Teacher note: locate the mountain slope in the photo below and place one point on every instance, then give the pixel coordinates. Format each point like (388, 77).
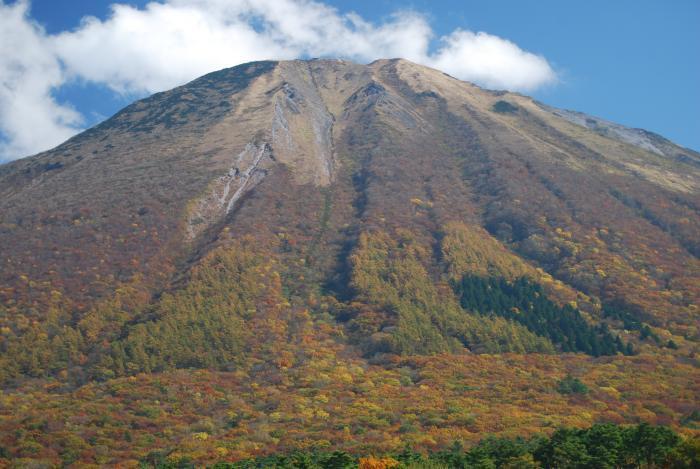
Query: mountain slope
(279, 219)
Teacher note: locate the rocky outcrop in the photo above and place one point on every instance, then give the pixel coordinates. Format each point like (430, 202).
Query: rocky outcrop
(247, 170)
(302, 126)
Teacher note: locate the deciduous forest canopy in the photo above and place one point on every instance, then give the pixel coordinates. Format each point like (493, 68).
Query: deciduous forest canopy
(326, 264)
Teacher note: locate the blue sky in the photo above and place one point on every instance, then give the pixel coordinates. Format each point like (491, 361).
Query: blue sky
(631, 62)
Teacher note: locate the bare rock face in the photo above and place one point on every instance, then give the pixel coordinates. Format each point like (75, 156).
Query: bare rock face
(302, 128)
(247, 170)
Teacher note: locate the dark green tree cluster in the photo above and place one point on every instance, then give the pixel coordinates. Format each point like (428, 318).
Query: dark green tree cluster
(598, 447)
(608, 446)
(525, 302)
(571, 385)
(504, 107)
(630, 321)
(601, 446)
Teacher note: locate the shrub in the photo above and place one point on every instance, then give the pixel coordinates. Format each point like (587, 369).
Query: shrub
(504, 107)
(571, 385)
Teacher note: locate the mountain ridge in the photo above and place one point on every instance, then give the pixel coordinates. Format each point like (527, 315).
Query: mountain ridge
(276, 221)
(305, 147)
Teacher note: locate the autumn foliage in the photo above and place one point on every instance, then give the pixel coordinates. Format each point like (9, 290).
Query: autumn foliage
(461, 274)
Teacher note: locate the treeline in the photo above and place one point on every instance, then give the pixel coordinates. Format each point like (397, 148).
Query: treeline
(598, 447)
(525, 302)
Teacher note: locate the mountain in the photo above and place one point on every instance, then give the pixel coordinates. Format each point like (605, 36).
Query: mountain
(286, 254)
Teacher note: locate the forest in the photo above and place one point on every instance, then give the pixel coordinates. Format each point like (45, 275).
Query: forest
(251, 357)
(525, 302)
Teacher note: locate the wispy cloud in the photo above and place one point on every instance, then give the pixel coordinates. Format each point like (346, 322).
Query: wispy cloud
(169, 43)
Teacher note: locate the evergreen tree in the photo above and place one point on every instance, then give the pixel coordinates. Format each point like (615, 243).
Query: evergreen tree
(525, 302)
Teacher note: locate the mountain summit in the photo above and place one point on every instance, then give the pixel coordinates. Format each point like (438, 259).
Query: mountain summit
(374, 233)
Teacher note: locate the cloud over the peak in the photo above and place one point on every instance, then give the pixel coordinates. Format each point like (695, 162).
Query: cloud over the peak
(491, 61)
(167, 43)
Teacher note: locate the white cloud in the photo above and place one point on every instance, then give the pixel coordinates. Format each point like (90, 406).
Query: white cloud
(491, 61)
(30, 119)
(160, 47)
(171, 42)
(164, 45)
